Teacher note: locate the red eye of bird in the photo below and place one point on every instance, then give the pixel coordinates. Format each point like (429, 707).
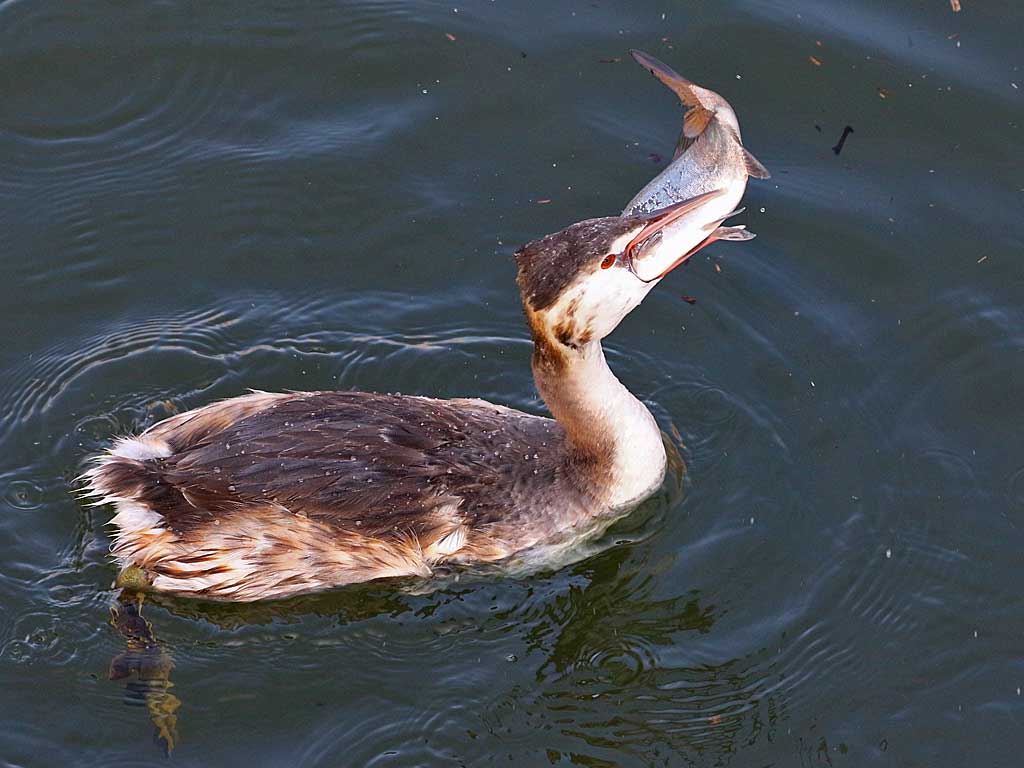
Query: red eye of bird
(608, 261)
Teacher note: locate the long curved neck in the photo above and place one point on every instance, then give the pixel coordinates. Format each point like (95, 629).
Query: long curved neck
(614, 447)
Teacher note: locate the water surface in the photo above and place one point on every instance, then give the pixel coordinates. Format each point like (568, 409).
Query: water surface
(200, 198)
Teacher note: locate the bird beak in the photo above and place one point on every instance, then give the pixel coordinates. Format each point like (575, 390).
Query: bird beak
(656, 221)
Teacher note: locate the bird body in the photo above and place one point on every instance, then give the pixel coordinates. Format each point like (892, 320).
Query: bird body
(279, 494)
(269, 495)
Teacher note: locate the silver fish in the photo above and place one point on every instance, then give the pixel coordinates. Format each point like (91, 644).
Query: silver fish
(710, 163)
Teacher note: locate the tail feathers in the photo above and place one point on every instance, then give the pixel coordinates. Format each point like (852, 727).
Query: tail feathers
(122, 473)
(115, 478)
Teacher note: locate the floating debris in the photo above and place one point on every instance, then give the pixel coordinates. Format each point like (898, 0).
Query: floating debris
(545, 201)
(955, 5)
(613, 60)
(450, 36)
(842, 140)
(689, 300)
(655, 157)
(814, 60)
(883, 93)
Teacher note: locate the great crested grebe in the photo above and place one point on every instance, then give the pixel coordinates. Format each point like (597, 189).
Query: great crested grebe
(271, 495)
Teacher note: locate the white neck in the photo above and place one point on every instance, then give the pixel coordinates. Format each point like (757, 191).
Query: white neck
(614, 443)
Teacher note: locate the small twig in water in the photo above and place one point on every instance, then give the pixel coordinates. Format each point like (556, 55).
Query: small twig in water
(842, 140)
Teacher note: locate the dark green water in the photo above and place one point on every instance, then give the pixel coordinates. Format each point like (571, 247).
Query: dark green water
(197, 198)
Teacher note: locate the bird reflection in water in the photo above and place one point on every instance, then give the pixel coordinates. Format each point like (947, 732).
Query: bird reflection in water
(145, 666)
(146, 663)
(646, 675)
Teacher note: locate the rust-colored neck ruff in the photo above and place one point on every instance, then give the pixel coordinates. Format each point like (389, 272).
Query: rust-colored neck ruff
(614, 446)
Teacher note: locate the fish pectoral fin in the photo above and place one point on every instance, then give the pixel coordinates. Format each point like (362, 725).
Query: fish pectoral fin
(657, 220)
(684, 143)
(738, 233)
(754, 167)
(715, 224)
(696, 121)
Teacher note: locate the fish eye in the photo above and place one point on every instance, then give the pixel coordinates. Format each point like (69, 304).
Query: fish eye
(609, 260)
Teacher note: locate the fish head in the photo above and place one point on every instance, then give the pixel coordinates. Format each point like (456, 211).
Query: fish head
(653, 254)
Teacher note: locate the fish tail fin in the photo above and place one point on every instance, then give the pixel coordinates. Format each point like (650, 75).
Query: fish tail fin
(702, 102)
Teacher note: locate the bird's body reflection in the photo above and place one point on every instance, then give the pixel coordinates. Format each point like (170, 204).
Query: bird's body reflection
(145, 666)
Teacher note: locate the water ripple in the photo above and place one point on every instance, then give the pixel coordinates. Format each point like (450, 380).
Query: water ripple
(212, 349)
(843, 391)
(23, 494)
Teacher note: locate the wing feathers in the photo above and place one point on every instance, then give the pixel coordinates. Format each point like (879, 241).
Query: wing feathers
(337, 457)
(282, 494)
